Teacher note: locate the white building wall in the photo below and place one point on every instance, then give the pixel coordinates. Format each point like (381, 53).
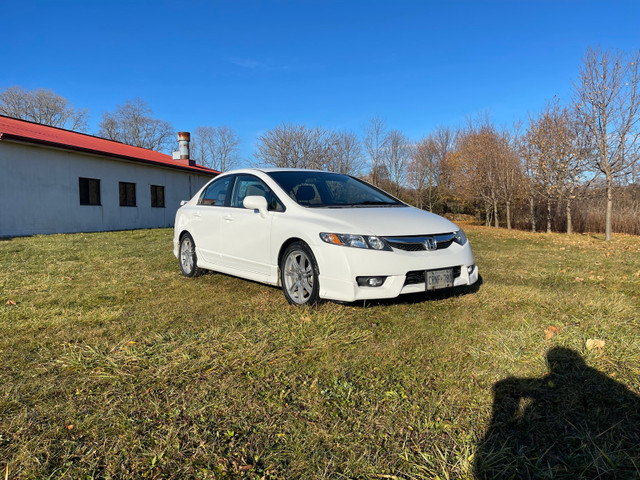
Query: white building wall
(39, 191)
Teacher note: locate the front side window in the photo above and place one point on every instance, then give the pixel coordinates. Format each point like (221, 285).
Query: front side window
(127, 194)
(216, 192)
(249, 185)
(157, 196)
(89, 189)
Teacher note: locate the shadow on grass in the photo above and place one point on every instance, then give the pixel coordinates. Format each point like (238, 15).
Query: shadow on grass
(575, 422)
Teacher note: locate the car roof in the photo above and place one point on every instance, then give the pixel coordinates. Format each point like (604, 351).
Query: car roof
(276, 169)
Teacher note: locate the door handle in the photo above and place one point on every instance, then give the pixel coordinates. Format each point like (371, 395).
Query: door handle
(228, 218)
(197, 214)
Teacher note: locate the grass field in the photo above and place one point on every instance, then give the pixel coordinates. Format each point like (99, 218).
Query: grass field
(115, 366)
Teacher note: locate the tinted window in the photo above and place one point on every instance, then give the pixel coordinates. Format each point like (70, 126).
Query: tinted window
(216, 192)
(323, 189)
(249, 185)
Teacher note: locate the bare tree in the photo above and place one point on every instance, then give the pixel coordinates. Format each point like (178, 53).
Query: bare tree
(573, 161)
(478, 161)
(216, 147)
(607, 98)
(423, 172)
(396, 157)
(509, 172)
(347, 154)
(556, 157)
(296, 146)
(131, 124)
(529, 162)
(445, 139)
(543, 145)
(375, 143)
(42, 106)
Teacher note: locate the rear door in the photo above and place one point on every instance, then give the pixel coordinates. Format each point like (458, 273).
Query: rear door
(206, 219)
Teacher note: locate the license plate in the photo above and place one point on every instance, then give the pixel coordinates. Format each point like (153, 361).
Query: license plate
(435, 279)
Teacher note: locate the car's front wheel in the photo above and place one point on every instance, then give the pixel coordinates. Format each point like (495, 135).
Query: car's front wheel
(187, 257)
(299, 275)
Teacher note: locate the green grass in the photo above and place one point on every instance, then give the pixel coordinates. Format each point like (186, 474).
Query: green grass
(112, 365)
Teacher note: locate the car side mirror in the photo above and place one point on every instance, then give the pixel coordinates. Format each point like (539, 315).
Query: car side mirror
(256, 203)
(183, 202)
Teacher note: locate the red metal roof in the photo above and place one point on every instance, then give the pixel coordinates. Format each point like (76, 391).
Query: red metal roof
(14, 129)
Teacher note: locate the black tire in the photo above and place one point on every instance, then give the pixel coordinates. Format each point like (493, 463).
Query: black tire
(187, 257)
(299, 275)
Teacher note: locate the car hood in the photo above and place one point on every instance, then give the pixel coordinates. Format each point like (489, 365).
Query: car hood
(384, 221)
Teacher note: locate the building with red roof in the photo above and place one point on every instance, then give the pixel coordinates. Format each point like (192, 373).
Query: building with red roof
(58, 181)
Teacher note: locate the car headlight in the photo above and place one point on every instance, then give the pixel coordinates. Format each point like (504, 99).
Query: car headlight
(460, 237)
(358, 241)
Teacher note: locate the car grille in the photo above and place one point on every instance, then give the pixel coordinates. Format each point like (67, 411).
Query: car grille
(417, 276)
(418, 243)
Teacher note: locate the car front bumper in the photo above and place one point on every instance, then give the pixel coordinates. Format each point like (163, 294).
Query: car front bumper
(404, 271)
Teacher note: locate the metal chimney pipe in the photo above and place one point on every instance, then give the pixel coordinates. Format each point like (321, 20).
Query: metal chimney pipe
(183, 145)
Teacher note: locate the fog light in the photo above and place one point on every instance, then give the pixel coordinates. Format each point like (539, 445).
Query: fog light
(370, 281)
(471, 268)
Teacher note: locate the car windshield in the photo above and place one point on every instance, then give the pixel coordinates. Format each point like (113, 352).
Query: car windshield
(332, 190)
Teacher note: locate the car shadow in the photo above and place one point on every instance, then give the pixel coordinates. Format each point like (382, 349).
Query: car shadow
(415, 298)
(575, 422)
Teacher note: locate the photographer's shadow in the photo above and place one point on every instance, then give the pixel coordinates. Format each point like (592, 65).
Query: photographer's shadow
(573, 423)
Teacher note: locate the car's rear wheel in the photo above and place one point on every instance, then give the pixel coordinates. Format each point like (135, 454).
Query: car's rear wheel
(299, 275)
(187, 257)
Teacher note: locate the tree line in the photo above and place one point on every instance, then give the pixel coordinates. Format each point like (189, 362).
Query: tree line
(560, 170)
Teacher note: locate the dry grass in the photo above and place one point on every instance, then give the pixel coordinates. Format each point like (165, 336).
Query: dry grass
(115, 366)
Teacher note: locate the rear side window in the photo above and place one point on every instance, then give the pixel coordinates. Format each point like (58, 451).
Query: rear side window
(216, 192)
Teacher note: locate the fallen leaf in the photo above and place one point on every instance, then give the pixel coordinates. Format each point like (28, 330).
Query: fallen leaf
(10, 302)
(69, 427)
(305, 319)
(594, 344)
(579, 279)
(551, 331)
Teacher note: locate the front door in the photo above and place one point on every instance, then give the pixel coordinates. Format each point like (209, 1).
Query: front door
(246, 235)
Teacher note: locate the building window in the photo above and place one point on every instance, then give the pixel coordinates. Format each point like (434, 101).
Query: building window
(157, 196)
(89, 189)
(127, 194)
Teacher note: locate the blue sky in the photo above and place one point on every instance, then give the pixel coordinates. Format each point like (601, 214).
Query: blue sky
(254, 64)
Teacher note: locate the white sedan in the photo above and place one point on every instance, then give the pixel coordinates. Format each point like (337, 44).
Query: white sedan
(318, 235)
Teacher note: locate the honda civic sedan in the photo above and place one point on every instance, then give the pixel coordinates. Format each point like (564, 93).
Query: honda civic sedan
(318, 235)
